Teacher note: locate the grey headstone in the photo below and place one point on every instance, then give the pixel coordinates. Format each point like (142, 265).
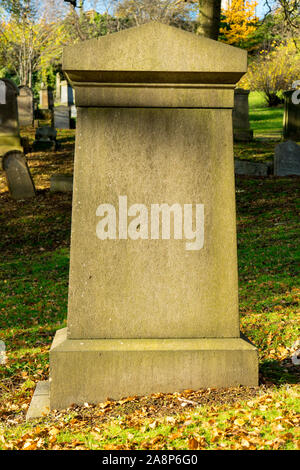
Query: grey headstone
(243, 167)
(18, 175)
(62, 117)
(240, 116)
(61, 183)
(25, 106)
(287, 159)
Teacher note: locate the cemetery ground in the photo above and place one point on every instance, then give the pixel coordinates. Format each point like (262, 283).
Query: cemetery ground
(34, 259)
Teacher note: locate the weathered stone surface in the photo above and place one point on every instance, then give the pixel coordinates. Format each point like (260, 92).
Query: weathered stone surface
(62, 117)
(243, 167)
(9, 121)
(291, 117)
(91, 370)
(240, 116)
(18, 175)
(287, 159)
(61, 183)
(25, 106)
(138, 55)
(40, 403)
(149, 314)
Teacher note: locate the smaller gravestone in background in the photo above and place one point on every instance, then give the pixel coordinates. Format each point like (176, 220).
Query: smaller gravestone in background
(46, 98)
(66, 94)
(240, 116)
(291, 117)
(18, 175)
(25, 106)
(287, 159)
(62, 117)
(45, 138)
(57, 88)
(243, 167)
(61, 183)
(73, 111)
(9, 121)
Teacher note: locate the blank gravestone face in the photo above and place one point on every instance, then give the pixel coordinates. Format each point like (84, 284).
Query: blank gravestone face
(18, 176)
(62, 117)
(153, 302)
(287, 159)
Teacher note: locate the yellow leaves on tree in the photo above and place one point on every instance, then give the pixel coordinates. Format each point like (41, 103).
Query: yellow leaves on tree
(273, 71)
(241, 21)
(27, 46)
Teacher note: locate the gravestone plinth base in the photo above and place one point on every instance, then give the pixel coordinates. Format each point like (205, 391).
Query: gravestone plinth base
(91, 370)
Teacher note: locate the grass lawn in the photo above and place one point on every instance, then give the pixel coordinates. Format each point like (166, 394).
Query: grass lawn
(34, 261)
(265, 122)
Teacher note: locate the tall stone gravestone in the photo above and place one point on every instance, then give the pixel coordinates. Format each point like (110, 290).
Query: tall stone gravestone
(46, 98)
(291, 117)
(153, 293)
(18, 175)
(9, 121)
(57, 88)
(66, 94)
(240, 116)
(25, 106)
(62, 117)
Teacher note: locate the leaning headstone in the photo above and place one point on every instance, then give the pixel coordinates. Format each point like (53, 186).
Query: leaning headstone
(66, 94)
(153, 293)
(240, 116)
(291, 117)
(61, 183)
(287, 159)
(25, 106)
(18, 175)
(9, 121)
(62, 117)
(45, 138)
(243, 167)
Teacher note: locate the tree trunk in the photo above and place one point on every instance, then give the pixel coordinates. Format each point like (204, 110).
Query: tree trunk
(209, 18)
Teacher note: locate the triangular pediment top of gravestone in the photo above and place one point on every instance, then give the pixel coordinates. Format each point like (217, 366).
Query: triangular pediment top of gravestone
(151, 52)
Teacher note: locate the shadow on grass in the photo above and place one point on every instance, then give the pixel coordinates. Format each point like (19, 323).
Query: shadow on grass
(279, 372)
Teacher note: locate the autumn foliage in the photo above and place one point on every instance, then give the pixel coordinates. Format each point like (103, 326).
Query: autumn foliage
(240, 21)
